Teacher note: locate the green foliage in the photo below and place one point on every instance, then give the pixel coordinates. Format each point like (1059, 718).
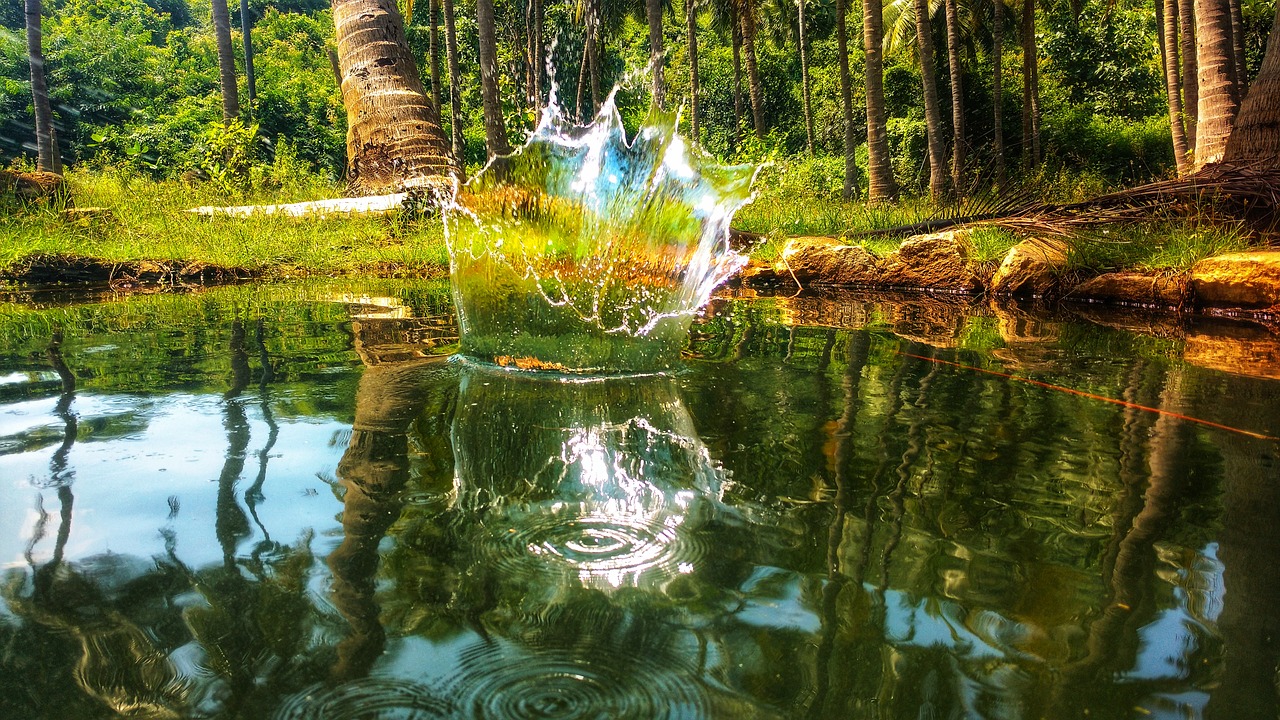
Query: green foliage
(229, 152)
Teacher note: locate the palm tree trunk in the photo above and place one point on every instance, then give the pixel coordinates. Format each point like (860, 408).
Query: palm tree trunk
(582, 77)
(747, 17)
(393, 133)
(1190, 89)
(455, 88)
(653, 13)
(1256, 137)
(1173, 84)
(880, 183)
(539, 60)
(932, 108)
(593, 65)
(1030, 87)
(226, 61)
(691, 18)
(46, 146)
(1215, 60)
(495, 131)
(957, 96)
(246, 27)
(1237, 48)
(850, 190)
(433, 52)
(737, 78)
(997, 89)
(804, 79)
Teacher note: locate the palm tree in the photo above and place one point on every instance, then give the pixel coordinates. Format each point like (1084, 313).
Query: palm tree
(691, 19)
(957, 95)
(433, 53)
(932, 108)
(495, 131)
(455, 87)
(1030, 86)
(747, 20)
(1256, 136)
(393, 133)
(1168, 17)
(997, 88)
(1190, 74)
(226, 61)
(653, 13)
(850, 189)
(804, 78)
(246, 27)
(880, 182)
(1215, 62)
(48, 158)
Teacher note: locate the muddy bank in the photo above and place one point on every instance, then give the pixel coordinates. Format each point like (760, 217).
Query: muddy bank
(1236, 285)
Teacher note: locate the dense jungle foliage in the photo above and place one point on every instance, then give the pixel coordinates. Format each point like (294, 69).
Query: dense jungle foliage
(134, 84)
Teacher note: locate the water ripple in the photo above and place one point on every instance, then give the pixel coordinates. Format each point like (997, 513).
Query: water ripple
(372, 698)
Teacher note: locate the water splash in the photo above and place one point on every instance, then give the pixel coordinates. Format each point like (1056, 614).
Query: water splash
(586, 252)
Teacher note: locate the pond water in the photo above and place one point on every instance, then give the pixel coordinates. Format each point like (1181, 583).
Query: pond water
(290, 502)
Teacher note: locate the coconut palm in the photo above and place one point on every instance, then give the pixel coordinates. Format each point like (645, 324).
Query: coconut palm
(393, 133)
(226, 61)
(957, 95)
(455, 86)
(246, 30)
(804, 77)
(1190, 73)
(880, 183)
(1256, 136)
(1030, 86)
(47, 157)
(747, 21)
(1168, 20)
(653, 13)
(997, 88)
(932, 109)
(1216, 112)
(691, 19)
(495, 131)
(850, 189)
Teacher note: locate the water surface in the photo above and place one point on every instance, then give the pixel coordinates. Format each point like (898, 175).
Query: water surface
(288, 501)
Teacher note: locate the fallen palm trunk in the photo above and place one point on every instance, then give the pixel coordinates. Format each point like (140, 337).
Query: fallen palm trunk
(357, 206)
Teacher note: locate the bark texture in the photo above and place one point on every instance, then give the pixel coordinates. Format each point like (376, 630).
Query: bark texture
(246, 30)
(226, 61)
(653, 13)
(846, 102)
(691, 19)
(394, 138)
(932, 107)
(957, 95)
(880, 183)
(1173, 82)
(1215, 61)
(1190, 88)
(455, 87)
(495, 130)
(1256, 136)
(1030, 86)
(997, 89)
(747, 18)
(47, 156)
(804, 78)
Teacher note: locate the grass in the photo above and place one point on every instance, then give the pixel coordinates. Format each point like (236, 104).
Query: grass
(146, 220)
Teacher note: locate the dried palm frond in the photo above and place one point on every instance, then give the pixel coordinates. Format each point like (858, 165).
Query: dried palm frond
(1226, 191)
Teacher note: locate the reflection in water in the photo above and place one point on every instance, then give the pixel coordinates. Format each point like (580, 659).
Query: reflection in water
(604, 480)
(810, 521)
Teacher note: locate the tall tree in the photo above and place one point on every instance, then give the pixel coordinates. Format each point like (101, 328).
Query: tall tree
(804, 78)
(1240, 67)
(850, 189)
(747, 19)
(393, 133)
(1190, 86)
(880, 182)
(1030, 86)
(495, 131)
(1215, 62)
(653, 13)
(736, 40)
(226, 61)
(1173, 83)
(246, 31)
(691, 19)
(1256, 135)
(932, 106)
(433, 54)
(455, 87)
(47, 157)
(957, 95)
(997, 88)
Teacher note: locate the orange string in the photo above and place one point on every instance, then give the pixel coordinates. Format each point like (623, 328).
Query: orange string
(1091, 396)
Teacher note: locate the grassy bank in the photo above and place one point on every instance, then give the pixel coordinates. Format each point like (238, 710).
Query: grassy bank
(139, 220)
(143, 220)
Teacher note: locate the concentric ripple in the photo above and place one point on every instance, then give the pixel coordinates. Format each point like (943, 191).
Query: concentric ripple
(372, 698)
(499, 680)
(598, 547)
